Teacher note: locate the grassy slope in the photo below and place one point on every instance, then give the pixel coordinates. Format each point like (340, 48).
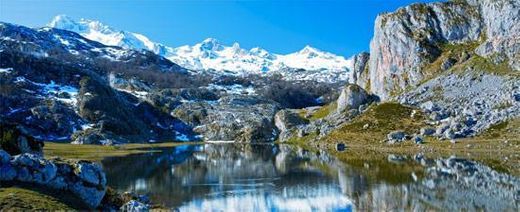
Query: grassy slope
(21, 199)
(366, 146)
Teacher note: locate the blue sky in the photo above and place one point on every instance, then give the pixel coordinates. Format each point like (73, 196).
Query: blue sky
(343, 27)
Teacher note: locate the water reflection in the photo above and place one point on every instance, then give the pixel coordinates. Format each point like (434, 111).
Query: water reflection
(244, 177)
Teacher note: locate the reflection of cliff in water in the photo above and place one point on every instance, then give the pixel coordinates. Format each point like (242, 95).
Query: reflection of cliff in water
(246, 177)
(449, 184)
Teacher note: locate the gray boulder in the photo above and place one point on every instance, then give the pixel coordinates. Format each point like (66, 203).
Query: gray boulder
(396, 136)
(418, 139)
(84, 179)
(427, 131)
(90, 173)
(351, 97)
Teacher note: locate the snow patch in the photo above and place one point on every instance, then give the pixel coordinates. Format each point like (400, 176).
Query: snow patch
(64, 93)
(6, 70)
(181, 137)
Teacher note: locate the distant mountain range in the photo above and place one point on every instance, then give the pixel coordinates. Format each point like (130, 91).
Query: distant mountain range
(211, 55)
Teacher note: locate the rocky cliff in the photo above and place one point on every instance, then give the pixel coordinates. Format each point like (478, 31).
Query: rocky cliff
(359, 73)
(408, 39)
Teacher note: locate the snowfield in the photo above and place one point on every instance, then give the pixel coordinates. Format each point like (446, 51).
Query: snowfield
(214, 57)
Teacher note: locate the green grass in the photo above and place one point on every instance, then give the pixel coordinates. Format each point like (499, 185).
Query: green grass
(455, 51)
(21, 199)
(302, 141)
(324, 111)
(381, 120)
(485, 65)
(98, 152)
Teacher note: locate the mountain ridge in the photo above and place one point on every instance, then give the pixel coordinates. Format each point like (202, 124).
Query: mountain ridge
(211, 54)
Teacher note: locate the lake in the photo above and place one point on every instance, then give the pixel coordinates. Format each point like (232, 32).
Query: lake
(269, 177)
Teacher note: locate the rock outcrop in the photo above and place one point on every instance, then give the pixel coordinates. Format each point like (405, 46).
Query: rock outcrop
(285, 120)
(359, 74)
(501, 18)
(83, 179)
(351, 97)
(235, 117)
(406, 40)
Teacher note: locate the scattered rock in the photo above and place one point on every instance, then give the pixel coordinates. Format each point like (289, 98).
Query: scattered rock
(427, 131)
(396, 136)
(418, 139)
(429, 106)
(340, 147)
(396, 158)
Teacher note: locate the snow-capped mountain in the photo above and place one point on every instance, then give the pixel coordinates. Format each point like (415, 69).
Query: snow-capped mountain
(211, 54)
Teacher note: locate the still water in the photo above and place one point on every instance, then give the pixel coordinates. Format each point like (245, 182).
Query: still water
(243, 177)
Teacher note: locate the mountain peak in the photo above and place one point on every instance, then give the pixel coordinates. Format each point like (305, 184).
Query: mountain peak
(97, 31)
(211, 40)
(309, 49)
(211, 44)
(62, 21)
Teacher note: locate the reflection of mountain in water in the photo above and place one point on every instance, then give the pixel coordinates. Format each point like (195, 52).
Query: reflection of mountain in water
(266, 177)
(233, 176)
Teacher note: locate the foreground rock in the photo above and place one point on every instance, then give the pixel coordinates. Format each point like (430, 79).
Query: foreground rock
(83, 179)
(351, 97)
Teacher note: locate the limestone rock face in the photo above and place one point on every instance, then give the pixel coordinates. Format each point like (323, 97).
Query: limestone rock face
(407, 39)
(351, 97)
(501, 19)
(359, 73)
